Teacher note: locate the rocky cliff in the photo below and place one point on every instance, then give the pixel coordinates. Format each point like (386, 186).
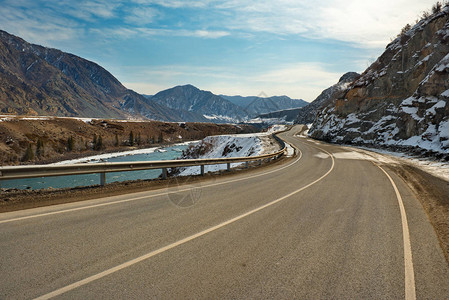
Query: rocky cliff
(307, 114)
(401, 100)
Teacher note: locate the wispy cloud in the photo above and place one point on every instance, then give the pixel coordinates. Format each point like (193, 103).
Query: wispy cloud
(141, 16)
(213, 34)
(86, 10)
(130, 32)
(39, 26)
(366, 23)
(175, 3)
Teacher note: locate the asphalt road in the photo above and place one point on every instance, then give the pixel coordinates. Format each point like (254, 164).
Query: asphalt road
(326, 224)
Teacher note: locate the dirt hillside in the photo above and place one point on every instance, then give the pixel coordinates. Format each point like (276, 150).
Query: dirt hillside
(43, 140)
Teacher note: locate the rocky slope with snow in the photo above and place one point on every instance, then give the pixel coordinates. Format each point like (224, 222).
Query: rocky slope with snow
(307, 114)
(401, 100)
(235, 145)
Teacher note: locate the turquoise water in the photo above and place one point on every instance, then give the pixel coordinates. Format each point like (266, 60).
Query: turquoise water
(94, 179)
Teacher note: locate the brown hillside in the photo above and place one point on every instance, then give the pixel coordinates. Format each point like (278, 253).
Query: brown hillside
(17, 134)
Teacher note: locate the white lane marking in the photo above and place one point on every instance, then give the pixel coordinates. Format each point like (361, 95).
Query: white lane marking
(177, 243)
(410, 290)
(353, 155)
(321, 155)
(145, 197)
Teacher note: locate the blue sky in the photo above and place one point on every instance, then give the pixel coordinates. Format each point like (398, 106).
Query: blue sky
(234, 47)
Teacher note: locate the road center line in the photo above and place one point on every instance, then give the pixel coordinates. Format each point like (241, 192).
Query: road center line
(410, 290)
(180, 242)
(144, 197)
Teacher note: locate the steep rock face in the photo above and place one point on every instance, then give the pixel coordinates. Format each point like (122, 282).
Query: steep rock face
(307, 114)
(42, 81)
(402, 99)
(202, 104)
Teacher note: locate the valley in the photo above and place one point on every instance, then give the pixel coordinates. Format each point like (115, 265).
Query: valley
(348, 200)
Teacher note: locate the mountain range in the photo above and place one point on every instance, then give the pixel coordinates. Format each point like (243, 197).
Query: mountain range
(255, 106)
(36, 80)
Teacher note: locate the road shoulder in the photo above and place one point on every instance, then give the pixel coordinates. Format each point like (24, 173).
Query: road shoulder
(432, 192)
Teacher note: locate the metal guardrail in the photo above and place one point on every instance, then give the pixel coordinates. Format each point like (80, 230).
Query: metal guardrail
(33, 171)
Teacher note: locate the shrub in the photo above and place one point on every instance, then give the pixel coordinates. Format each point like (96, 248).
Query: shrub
(39, 147)
(29, 155)
(436, 8)
(70, 144)
(131, 138)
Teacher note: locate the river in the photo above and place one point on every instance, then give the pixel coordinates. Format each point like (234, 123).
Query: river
(153, 154)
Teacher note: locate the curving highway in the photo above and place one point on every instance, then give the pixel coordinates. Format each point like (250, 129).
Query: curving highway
(331, 222)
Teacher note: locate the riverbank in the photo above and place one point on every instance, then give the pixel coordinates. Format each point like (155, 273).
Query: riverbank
(42, 140)
(226, 146)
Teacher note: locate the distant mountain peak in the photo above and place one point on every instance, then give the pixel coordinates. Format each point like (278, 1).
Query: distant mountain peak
(262, 95)
(187, 86)
(205, 104)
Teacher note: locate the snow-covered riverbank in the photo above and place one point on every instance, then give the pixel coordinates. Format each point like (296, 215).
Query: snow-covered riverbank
(105, 156)
(219, 146)
(236, 145)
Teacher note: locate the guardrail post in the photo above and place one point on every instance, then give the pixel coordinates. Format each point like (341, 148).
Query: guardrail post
(164, 173)
(202, 170)
(228, 167)
(246, 165)
(102, 179)
(260, 162)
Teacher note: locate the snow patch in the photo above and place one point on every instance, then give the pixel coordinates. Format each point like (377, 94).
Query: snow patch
(102, 157)
(445, 93)
(220, 117)
(236, 145)
(223, 146)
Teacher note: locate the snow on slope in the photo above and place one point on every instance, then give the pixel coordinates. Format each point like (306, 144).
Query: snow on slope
(236, 145)
(102, 157)
(401, 102)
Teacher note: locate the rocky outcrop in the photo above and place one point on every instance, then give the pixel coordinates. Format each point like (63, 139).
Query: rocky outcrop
(401, 100)
(307, 114)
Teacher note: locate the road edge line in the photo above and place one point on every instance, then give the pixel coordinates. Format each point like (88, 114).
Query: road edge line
(410, 288)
